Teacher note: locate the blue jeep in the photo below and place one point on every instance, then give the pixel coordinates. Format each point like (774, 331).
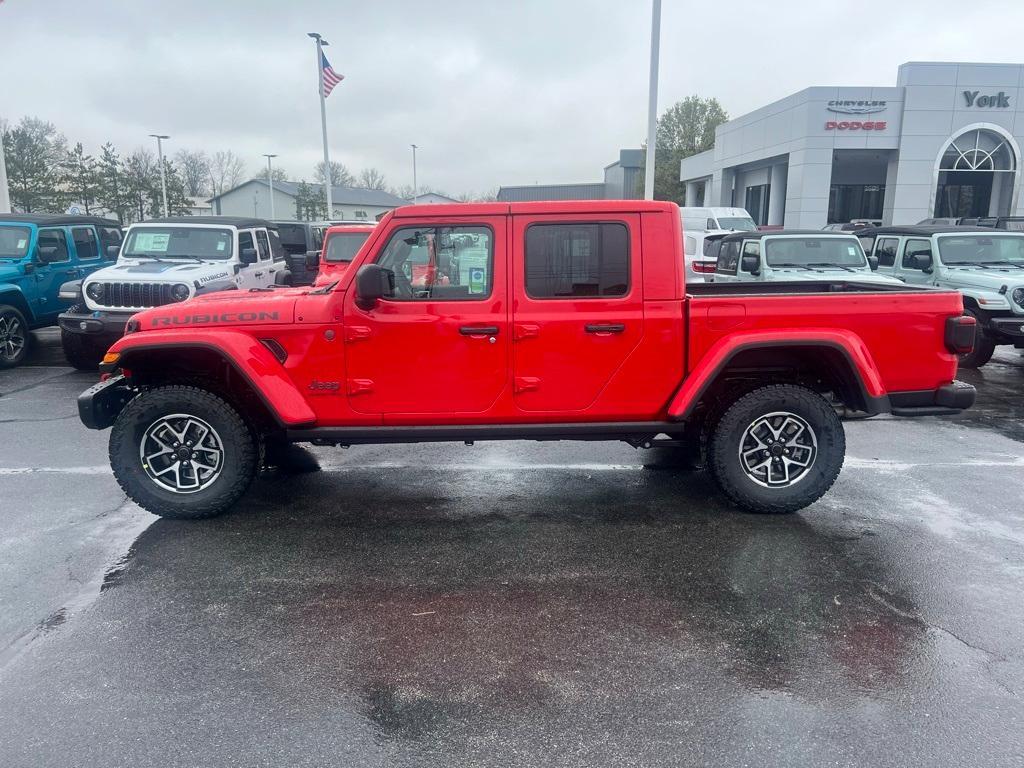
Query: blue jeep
(37, 255)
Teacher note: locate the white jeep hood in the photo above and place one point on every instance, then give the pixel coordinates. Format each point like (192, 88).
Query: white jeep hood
(200, 277)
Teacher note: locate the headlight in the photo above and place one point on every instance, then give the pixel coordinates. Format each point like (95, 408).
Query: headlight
(1018, 296)
(94, 291)
(179, 292)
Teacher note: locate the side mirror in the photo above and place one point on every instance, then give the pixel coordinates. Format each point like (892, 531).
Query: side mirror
(312, 259)
(247, 256)
(873, 263)
(113, 251)
(47, 254)
(373, 283)
(922, 261)
(750, 263)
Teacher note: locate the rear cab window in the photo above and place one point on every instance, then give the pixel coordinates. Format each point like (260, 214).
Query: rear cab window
(573, 261)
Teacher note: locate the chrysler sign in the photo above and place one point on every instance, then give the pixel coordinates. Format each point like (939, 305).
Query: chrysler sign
(855, 106)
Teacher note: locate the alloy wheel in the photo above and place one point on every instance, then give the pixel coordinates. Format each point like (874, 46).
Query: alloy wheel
(182, 453)
(12, 336)
(778, 449)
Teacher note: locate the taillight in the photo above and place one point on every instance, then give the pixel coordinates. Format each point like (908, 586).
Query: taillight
(960, 332)
(704, 267)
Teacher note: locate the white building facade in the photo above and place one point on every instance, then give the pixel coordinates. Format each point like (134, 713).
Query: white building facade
(944, 142)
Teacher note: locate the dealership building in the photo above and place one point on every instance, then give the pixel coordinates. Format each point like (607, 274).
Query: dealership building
(945, 141)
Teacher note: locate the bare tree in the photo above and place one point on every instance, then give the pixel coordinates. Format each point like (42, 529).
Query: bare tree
(226, 171)
(340, 175)
(277, 174)
(194, 169)
(371, 178)
(479, 197)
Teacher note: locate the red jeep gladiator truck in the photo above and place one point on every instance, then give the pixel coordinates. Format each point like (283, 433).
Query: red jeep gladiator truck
(534, 321)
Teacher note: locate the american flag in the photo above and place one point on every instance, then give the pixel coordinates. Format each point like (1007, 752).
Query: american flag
(330, 77)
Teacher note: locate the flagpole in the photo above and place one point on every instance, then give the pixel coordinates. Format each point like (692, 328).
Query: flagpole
(320, 43)
(652, 101)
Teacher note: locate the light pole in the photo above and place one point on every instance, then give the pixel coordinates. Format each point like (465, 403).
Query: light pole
(160, 155)
(270, 181)
(320, 43)
(415, 187)
(652, 100)
(5, 196)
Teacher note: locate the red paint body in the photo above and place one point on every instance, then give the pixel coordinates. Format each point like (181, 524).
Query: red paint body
(406, 362)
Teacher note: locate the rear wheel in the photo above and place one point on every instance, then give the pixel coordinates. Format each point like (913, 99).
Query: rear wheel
(182, 452)
(777, 449)
(984, 347)
(14, 337)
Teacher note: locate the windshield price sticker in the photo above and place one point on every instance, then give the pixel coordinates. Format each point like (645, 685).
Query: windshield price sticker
(221, 245)
(22, 243)
(152, 242)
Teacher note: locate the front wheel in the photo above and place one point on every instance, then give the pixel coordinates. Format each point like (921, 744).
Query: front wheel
(777, 449)
(182, 452)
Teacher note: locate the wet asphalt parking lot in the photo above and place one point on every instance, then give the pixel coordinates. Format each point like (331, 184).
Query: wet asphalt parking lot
(515, 604)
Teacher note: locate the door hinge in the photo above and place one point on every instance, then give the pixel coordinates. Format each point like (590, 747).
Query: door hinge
(526, 383)
(526, 331)
(356, 333)
(359, 386)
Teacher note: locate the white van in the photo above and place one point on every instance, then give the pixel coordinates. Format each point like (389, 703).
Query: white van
(708, 219)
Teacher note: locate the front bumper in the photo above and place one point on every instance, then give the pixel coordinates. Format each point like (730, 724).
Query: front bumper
(1008, 327)
(99, 405)
(95, 323)
(946, 400)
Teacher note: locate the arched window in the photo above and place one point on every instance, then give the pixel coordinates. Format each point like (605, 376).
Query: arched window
(978, 150)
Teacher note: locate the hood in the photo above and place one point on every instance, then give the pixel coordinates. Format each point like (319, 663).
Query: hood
(820, 273)
(230, 308)
(145, 270)
(986, 279)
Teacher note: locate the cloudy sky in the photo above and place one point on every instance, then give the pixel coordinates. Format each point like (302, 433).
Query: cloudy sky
(494, 92)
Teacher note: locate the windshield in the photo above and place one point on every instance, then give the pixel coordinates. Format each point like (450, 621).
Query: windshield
(739, 224)
(982, 249)
(815, 251)
(344, 247)
(177, 243)
(14, 242)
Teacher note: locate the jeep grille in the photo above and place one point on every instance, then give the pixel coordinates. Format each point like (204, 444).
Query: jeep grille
(135, 295)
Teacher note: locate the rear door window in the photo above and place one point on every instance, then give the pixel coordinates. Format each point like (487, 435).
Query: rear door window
(728, 257)
(86, 245)
(577, 260)
(886, 251)
(263, 245)
(54, 246)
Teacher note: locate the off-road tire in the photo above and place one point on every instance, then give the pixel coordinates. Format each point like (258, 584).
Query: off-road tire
(242, 454)
(8, 312)
(728, 435)
(81, 351)
(984, 347)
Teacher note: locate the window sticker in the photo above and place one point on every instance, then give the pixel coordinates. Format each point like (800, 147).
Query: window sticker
(152, 242)
(852, 250)
(222, 245)
(476, 280)
(23, 243)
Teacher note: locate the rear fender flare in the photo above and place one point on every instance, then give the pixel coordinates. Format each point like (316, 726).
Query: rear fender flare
(867, 377)
(244, 353)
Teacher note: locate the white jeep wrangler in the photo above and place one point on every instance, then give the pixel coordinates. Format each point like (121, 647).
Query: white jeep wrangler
(163, 261)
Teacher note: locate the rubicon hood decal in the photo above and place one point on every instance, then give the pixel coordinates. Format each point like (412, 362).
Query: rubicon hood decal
(163, 321)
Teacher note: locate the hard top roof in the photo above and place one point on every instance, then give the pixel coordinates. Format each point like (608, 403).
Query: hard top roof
(534, 207)
(927, 230)
(225, 221)
(57, 220)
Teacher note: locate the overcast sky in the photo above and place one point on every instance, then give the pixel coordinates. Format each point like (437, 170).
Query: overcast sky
(494, 92)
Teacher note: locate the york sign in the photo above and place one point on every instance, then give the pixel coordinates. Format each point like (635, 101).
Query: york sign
(999, 100)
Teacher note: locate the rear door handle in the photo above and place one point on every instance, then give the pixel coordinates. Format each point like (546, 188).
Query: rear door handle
(605, 327)
(479, 330)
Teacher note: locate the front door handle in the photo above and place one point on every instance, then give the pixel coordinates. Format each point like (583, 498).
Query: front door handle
(605, 327)
(478, 330)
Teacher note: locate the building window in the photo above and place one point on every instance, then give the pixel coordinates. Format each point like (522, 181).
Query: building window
(566, 261)
(847, 202)
(361, 215)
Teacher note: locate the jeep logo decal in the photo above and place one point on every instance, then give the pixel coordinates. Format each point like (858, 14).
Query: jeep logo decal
(227, 317)
(324, 386)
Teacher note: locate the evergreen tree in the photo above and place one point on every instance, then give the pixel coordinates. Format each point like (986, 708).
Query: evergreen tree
(111, 183)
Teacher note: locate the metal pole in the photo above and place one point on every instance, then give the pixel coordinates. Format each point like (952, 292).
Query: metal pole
(652, 100)
(160, 155)
(5, 196)
(415, 186)
(320, 43)
(270, 181)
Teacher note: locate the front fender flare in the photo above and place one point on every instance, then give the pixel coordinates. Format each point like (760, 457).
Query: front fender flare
(244, 353)
(717, 358)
